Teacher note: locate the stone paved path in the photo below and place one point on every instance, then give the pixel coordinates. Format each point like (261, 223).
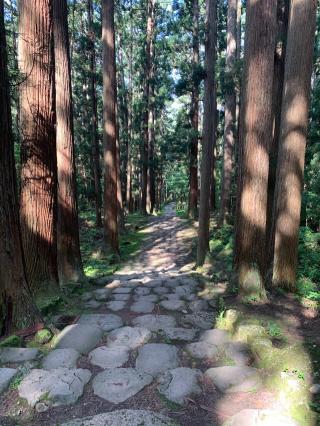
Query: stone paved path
(146, 352)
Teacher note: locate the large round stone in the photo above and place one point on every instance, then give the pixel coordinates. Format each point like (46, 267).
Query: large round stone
(106, 357)
(118, 384)
(180, 383)
(154, 322)
(81, 337)
(106, 322)
(155, 358)
(234, 379)
(60, 358)
(131, 337)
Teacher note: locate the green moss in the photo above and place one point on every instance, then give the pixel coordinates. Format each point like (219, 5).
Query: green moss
(12, 342)
(248, 332)
(227, 320)
(42, 337)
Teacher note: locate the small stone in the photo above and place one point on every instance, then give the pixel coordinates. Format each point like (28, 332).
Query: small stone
(216, 337)
(172, 283)
(113, 357)
(160, 290)
(203, 350)
(198, 305)
(102, 294)
(92, 304)
(86, 296)
(122, 290)
(184, 291)
(230, 379)
(62, 386)
(113, 284)
(155, 358)
(203, 320)
(142, 307)
(251, 417)
(171, 296)
(60, 358)
(154, 322)
(142, 291)
(246, 332)
(81, 337)
(6, 375)
(121, 297)
(315, 389)
(149, 298)
(118, 384)
(180, 334)
(41, 407)
(178, 384)
(132, 337)
(102, 280)
(172, 305)
(116, 305)
(106, 322)
(8, 355)
(124, 418)
(239, 353)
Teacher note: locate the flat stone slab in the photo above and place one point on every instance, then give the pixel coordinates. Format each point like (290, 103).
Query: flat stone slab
(113, 357)
(171, 296)
(216, 337)
(124, 418)
(155, 358)
(8, 355)
(180, 334)
(142, 291)
(102, 294)
(142, 307)
(160, 290)
(173, 305)
(116, 305)
(180, 383)
(92, 304)
(122, 290)
(81, 337)
(201, 320)
(239, 353)
(6, 375)
(154, 322)
(62, 386)
(149, 298)
(184, 291)
(172, 282)
(131, 337)
(106, 322)
(202, 350)
(230, 379)
(118, 384)
(251, 417)
(198, 305)
(121, 297)
(60, 358)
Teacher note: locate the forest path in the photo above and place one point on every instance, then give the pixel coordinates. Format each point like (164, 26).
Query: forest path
(144, 351)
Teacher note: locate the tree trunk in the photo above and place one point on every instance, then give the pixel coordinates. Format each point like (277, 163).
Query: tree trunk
(239, 14)
(145, 199)
(230, 113)
(278, 77)
(68, 243)
(16, 308)
(294, 123)
(194, 116)
(209, 136)
(38, 145)
(255, 136)
(111, 231)
(94, 117)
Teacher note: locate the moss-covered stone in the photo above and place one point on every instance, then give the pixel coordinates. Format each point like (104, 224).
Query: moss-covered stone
(248, 332)
(11, 342)
(228, 320)
(43, 336)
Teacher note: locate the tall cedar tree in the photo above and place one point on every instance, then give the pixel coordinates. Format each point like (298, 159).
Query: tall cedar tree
(145, 197)
(69, 257)
(151, 136)
(208, 138)
(95, 150)
(38, 200)
(294, 123)
(278, 78)
(229, 112)
(16, 308)
(194, 115)
(111, 232)
(255, 136)
(129, 199)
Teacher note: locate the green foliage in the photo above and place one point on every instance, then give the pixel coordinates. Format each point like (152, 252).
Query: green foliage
(11, 342)
(274, 330)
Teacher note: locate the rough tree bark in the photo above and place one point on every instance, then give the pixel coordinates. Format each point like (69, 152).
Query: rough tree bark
(194, 116)
(229, 112)
(145, 202)
(209, 136)
(294, 123)
(38, 200)
(254, 139)
(151, 136)
(94, 117)
(16, 308)
(111, 231)
(68, 243)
